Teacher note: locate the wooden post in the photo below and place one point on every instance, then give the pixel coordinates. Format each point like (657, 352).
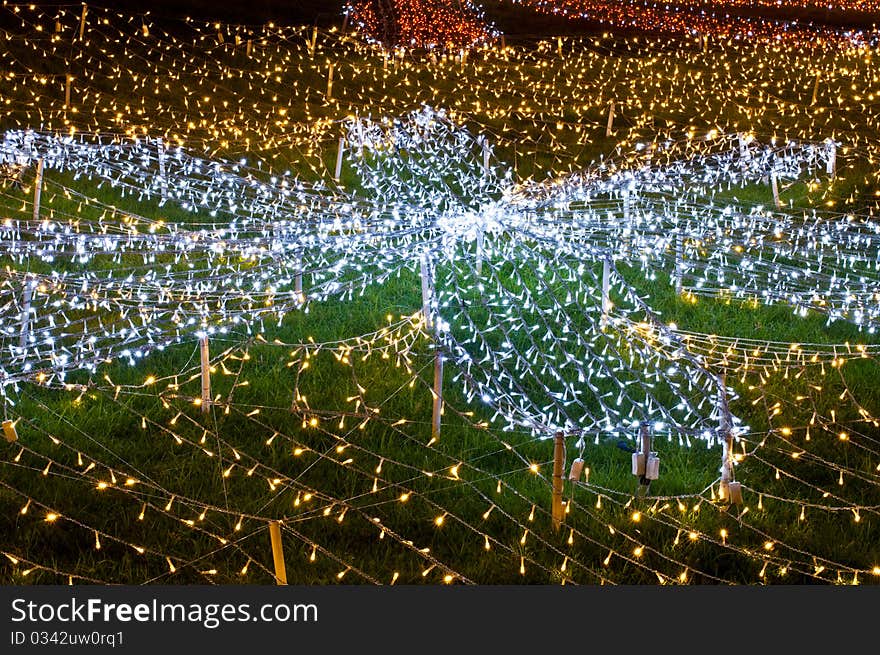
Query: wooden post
(816, 88)
(726, 440)
(249, 47)
(437, 410)
(314, 42)
(206, 374)
(330, 82)
(774, 185)
(26, 314)
(339, 153)
(68, 80)
(705, 43)
(82, 21)
(606, 286)
(559, 45)
(480, 241)
(38, 189)
(557, 510)
(610, 119)
(277, 553)
(160, 154)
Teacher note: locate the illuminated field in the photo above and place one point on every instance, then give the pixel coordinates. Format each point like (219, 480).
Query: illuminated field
(485, 199)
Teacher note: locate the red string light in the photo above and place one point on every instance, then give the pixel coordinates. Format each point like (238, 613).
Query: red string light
(420, 23)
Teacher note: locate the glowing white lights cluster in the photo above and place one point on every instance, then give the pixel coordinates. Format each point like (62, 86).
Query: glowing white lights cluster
(146, 282)
(329, 436)
(527, 334)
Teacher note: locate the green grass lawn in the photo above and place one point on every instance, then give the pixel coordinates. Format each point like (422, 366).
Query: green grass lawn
(141, 486)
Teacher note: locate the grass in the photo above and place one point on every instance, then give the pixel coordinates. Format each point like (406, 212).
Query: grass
(492, 498)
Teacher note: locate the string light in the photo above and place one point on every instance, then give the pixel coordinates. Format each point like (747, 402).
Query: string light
(235, 272)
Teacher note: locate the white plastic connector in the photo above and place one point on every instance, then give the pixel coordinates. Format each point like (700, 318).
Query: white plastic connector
(652, 470)
(577, 468)
(734, 491)
(638, 464)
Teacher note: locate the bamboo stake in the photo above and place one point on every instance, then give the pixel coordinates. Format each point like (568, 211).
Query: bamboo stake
(427, 275)
(606, 285)
(339, 153)
(298, 282)
(26, 314)
(82, 21)
(206, 374)
(330, 82)
(277, 553)
(679, 254)
(645, 436)
(831, 162)
(68, 79)
(743, 151)
(38, 190)
(610, 119)
(727, 440)
(427, 284)
(774, 185)
(486, 153)
(480, 230)
(437, 409)
(160, 153)
(816, 88)
(557, 510)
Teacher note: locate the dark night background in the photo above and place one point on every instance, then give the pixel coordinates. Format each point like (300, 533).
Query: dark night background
(510, 19)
